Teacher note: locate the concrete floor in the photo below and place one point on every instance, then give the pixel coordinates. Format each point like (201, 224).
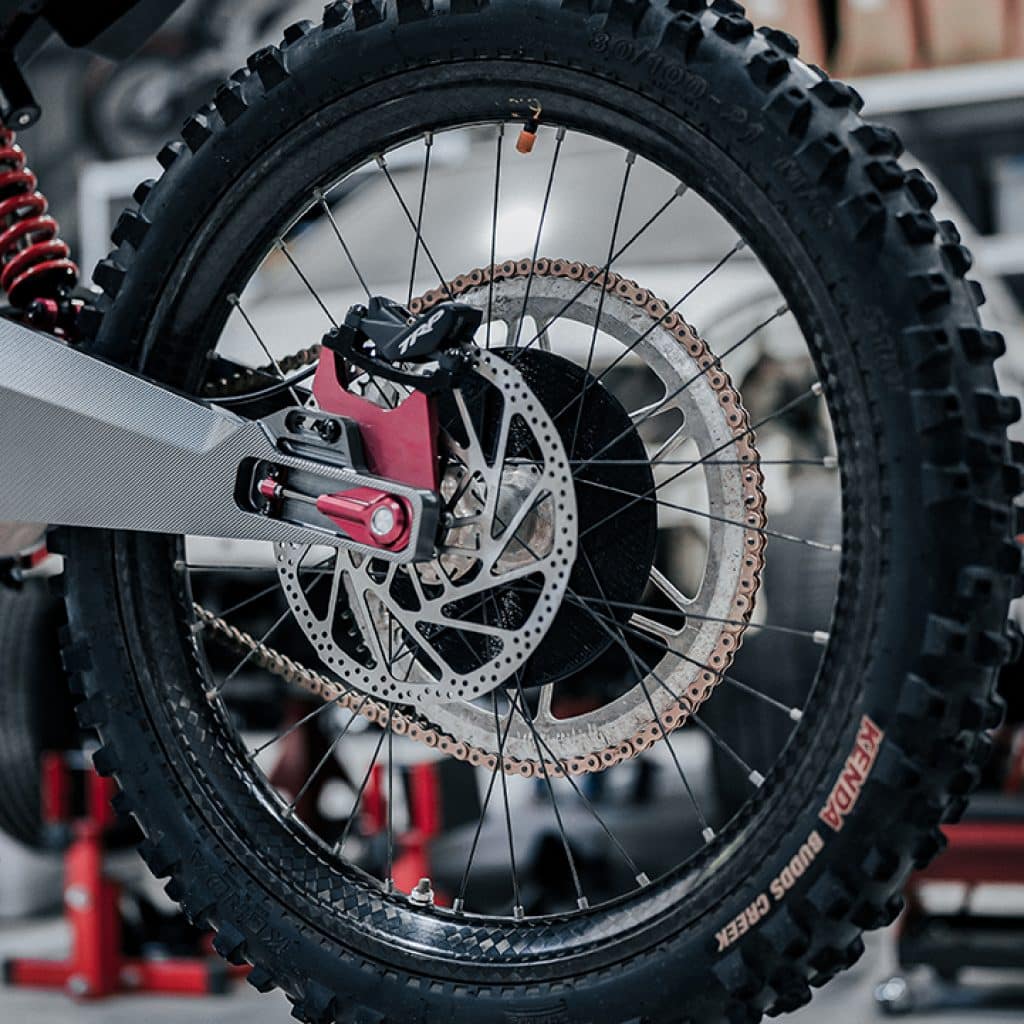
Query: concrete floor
(847, 1001)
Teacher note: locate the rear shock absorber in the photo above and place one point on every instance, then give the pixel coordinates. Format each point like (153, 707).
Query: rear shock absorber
(36, 271)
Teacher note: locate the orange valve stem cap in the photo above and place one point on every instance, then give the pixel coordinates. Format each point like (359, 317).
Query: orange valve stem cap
(526, 140)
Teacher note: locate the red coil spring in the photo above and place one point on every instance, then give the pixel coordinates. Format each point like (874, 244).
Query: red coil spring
(34, 261)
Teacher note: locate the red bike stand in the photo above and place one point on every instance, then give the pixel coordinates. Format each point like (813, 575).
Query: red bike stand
(97, 967)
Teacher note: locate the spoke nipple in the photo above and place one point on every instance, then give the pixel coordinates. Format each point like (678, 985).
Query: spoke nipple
(428, 139)
(756, 779)
(458, 905)
(560, 134)
(630, 158)
(682, 189)
(179, 565)
(518, 912)
(380, 161)
(741, 245)
(233, 299)
(836, 549)
(817, 388)
(389, 886)
(708, 834)
(796, 714)
(830, 462)
(642, 879)
(820, 638)
(583, 903)
(782, 310)
(423, 894)
(212, 695)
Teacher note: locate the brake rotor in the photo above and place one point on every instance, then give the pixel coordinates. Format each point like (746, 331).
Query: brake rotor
(423, 633)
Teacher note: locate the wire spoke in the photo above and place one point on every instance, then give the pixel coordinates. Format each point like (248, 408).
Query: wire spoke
(390, 883)
(754, 777)
(581, 899)
(738, 247)
(428, 143)
(339, 846)
(559, 139)
(706, 831)
(818, 636)
(315, 713)
(218, 687)
(325, 206)
(245, 661)
(794, 713)
(283, 246)
(460, 901)
(252, 599)
(494, 230)
(420, 240)
(640, 876)
(517, 901)
(580, 399)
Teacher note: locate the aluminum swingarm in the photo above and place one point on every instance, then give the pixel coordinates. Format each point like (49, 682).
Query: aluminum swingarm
(84, 443)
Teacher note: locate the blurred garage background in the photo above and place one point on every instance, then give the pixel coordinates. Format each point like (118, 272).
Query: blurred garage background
(947, 74)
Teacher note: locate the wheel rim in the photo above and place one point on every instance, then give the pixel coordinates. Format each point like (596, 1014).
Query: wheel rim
(790, 709)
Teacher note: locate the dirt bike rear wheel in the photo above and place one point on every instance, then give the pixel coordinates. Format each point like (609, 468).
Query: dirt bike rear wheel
(776, 900)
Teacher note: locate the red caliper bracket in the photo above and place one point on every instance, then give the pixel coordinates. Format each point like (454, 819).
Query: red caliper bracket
(398, 444)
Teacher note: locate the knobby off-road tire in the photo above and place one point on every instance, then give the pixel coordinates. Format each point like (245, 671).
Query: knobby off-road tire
(879, 287)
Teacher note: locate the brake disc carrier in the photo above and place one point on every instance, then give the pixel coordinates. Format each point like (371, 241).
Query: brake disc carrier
(696, 655)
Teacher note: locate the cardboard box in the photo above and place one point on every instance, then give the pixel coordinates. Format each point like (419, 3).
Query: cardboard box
(800, 18)
(876, 36)
(954, 32)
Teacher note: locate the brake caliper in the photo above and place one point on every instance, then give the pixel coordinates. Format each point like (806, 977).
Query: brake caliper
(393, 444)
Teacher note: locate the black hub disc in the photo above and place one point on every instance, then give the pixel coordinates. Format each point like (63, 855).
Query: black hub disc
(618, 528)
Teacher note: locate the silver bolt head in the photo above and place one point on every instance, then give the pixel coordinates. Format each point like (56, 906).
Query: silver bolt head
(423, 894)
(78, 986)
(77, 897)
(382, 522)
